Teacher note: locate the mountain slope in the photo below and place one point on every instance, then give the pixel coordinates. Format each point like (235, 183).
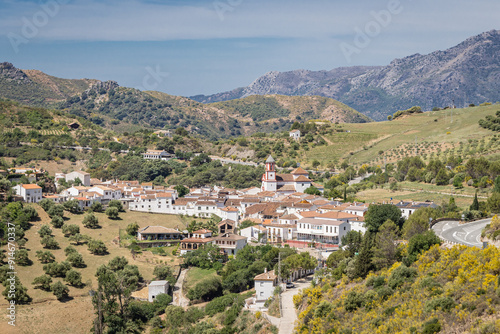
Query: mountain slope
(37, 88)
(126, 109)
(466, 73)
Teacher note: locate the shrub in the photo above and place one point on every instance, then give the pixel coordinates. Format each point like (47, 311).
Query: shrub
(45, 230)
(57, 221)
(55, 269)
(132, 228)
(443, 303)
(401, 275)
(115, 204)
(69, 230)
(90, 221)
(206, 290)
(431, 327)
(97, 247)
(45, 257)
(60, 290)
(76, 260)
(353, 301)
(74, 278)
(42, 282)
(49, 242)
(112, 212)
(96, 207)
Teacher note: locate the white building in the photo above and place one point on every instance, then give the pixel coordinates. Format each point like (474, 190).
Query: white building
(252, 233)
(322, 230)
(157, 155)
(83, 176)
(31, 193)
(295, 134)
(230, 243)
(280, 232)
(155, 288)
(265, 284)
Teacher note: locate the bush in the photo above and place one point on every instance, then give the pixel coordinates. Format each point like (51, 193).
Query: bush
(45, 230)
(97, 247)
(90, 221)
(21, 258)
(112, 213)
(219, 304)
(49, 242)
(76, 260)
(431, 327)
(57, 221)
(60, 290)
(353, 301)
(96, 207)
(401, 275)
(69, 230)
(443, 303)
(132, 229)
(45, 257)
(74, 278)
(206, 290)
(115, 204)
(42, 282)
(55, 269)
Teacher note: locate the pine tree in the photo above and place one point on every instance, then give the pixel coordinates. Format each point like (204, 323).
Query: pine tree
(364, 262)
(475, 203)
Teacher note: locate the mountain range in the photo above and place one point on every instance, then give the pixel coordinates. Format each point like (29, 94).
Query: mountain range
(127, 109)
(464, 74)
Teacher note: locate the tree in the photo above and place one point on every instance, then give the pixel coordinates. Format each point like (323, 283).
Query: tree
(42, 282)
(57, 221)
(385, 249)
(418, 222)
(55, 269)
(316, 163)
(97, 247)
(352, 241)
(60, 290)
(117, 263)
(363, 263)
(496, 188)
(442, 177)
(420, 243)
(312, 190)
(206, 290)
(116, 204)
(78, 239)
(74, 278)
(44, 230)
(49, 242)
(164, 273)
(379, 213)
(475, 203)
(132, 228)
(45, 257)
(72, 206)
(335, 258)
(69, 230)
(90, 221)
(112, 212)
(76, 260)
(96, 207)
(21, 258)
(181, 190)
(56, 210)
(493, 202)
(21, 296)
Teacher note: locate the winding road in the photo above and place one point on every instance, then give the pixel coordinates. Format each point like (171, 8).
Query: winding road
(178, 296)
(468, 234)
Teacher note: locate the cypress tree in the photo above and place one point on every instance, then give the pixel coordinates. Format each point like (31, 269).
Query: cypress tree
(475, 203)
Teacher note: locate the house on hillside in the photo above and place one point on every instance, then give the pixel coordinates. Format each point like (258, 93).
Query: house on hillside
(31, 193)
(295, 134)
(156, 288)
(83, 176)
(265, 284)
(157, 155)
(158, 233)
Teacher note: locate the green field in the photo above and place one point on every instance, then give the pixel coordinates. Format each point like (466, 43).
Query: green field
(195, 275)
(436, 134)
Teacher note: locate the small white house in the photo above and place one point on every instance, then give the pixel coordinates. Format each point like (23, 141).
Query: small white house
(252, 233)
(155, 288)
(157, 155)
(264, 286)
(31, 193)
(295, 134)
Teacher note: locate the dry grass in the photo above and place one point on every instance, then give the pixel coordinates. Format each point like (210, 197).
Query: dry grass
(50, 315)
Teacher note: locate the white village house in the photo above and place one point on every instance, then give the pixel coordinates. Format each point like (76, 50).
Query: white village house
(31, 193)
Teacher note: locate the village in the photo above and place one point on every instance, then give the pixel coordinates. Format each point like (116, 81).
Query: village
(278, 213)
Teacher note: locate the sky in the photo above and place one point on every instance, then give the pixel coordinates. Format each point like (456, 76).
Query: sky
(204, 47)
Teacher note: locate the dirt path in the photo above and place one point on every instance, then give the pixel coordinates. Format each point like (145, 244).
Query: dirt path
(179, 298)
(287, 321)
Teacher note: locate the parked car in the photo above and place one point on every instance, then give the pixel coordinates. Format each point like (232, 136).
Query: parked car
(290, 285)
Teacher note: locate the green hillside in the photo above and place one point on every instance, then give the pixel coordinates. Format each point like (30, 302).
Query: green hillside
(430, 134)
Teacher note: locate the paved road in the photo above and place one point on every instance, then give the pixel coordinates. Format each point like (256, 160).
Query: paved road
(286, 323)
(178, 297)
(359, 179)
(468, 234)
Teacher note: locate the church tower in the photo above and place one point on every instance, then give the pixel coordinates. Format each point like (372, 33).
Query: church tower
(269, 182)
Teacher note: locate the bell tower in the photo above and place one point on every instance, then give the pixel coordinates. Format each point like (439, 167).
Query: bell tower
(269, 182)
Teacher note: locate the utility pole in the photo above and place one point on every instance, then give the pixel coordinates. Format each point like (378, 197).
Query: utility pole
(279, 281)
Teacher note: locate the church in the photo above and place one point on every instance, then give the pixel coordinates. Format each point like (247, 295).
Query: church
(296, 181)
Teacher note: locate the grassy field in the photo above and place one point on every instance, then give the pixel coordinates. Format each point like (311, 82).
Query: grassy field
(195, 275)
(423, 192)
(79, 308)
(433, 131)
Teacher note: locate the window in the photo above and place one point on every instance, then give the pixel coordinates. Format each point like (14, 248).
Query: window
(261, 284)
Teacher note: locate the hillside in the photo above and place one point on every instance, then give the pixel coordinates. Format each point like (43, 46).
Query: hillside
(125, 109)
(464, 74)
(430, 134)
(33, 87)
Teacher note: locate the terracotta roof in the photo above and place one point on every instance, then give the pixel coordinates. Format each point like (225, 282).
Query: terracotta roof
(163, 195)
(294, 131)
(282, 225)
(284, 178)
(31, 186)
(300, 171)
(337, 215)
(269, 276)
(317, 185)
(205, 203)
(286, 187)
(230, 209)
(302, 178)
(289, 217)
(308, 214)
(148, 197)
(266, 194)
(157, 230)
(202, 231)
(183, 201)
(148, 184)
(250, 200)
(227, 221)
(197, 240)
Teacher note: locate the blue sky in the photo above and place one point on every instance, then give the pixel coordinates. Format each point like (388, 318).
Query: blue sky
(204, 47)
